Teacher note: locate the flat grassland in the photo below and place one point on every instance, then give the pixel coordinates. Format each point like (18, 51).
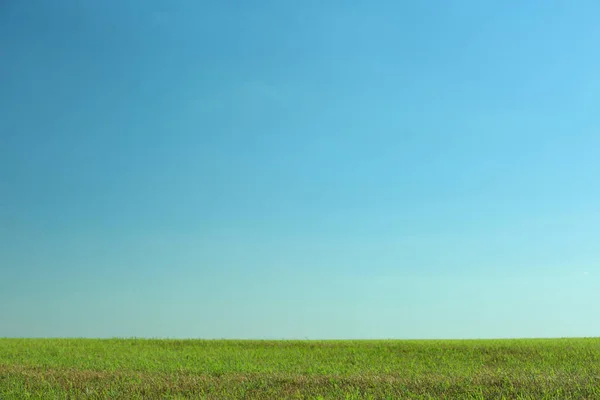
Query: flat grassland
(223, 369)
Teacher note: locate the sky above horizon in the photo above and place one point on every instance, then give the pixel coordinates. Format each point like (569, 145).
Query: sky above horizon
(278, 169)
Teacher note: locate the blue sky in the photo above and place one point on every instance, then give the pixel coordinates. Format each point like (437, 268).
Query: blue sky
(306, 169)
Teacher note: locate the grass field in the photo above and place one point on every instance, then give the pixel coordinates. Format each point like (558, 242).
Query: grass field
(153, 369)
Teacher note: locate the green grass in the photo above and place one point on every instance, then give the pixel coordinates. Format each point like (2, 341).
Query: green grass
(175, 369)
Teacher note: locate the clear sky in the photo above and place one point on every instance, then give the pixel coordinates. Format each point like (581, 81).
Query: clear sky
(299, 169)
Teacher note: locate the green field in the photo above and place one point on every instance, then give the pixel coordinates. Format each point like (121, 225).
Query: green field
(148, 369)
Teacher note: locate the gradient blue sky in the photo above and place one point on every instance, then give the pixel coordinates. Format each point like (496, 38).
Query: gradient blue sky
(299, 169)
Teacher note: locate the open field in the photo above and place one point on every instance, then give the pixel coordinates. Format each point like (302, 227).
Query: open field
(153, 369)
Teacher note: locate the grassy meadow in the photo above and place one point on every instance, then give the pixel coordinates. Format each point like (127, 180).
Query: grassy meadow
(222, 369)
